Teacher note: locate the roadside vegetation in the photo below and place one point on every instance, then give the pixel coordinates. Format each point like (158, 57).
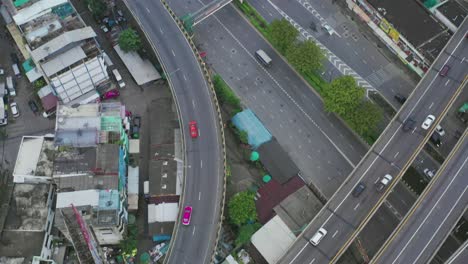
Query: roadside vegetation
(97, 7)
(242, 214)
(341, 96)
(129, 40)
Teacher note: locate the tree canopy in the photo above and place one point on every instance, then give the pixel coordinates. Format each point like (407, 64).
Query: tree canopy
(305, 56)
(97, 7)
(241, 208)
(343, 95)
(365, 118)
(282, 34)
(129, 40)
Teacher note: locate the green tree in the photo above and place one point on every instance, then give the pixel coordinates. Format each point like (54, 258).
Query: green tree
(245, 233)
(343, 95)
(241, 208)
(365, 118)
(129, 40)
(282, 34)
(306, 57)
(97, 7)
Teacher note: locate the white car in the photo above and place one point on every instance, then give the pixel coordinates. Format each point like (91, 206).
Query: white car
(105, 28)
(328, 29)
(440, 130)
(14, 109)
(428, 122)
(429, 173)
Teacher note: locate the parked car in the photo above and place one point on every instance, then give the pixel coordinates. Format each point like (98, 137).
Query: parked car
(193, 129)
(2, 71)
(429, 173)
(187, 215)
(440, 130)
(400, 98)
(33, 106)
(111, 94)
(137, 121)
(409, 124)
(14, 109)
(327, 29)
(428, 122)
(435, 139)
(104, 28)
(359, 189)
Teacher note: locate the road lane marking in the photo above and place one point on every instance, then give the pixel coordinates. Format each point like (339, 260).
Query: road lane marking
(432, 104)
(376, 180)
(201, 163)
(447, 82)
(357, 205)
(147, 10)
(412, 132)
(160, 29)
(193, 103)
(184, 77)
(193, 233)
(313, 260)
(199, 134)
(173, 53)
(463, 60)
(199, 196)
(334, 234)
(396, 155)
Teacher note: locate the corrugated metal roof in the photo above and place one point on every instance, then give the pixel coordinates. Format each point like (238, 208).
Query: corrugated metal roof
(78, 198)
(273, 239)
(36, 10)
(133, 179)
(165, 212)
(63, 60)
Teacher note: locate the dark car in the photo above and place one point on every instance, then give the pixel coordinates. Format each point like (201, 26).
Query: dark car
(443, 72)
(137, 121)
(33, 106)
(400, 98)
(359, 189)
(14, 58)
(435, 139)
(409, 124)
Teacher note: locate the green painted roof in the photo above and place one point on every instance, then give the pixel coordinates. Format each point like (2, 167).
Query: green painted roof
(19, 3)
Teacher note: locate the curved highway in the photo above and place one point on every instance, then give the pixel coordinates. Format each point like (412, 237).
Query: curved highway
(204, 170)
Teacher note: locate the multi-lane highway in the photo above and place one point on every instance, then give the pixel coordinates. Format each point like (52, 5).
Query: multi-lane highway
(344, 215)
(438, 209)
(203, 156)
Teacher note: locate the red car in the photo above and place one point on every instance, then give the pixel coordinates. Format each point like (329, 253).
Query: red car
(187, 215)
(193, 129)
(114, 93)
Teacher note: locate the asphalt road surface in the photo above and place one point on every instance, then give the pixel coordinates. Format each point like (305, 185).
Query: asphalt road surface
(350, 49)
(203, 156)
(424, 230)
(344, 216)
(460, 256)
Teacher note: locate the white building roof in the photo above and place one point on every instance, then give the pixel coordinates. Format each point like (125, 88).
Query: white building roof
(63, 60)
(132, 202)
(133, 179)
(61, 41)
(273, 239)
(36, 10)
(80, 79)
(33, 74)
(28, 156)
(141, 70)
(165, 212)
(78, 198)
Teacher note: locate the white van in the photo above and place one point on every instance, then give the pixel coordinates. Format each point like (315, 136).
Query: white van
(118, 78)
(10, 86)
(321, 233)
(16, 70)
(263, 58)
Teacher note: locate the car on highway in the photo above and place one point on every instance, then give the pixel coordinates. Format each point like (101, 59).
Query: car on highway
(14, 109)
(33, 106)
(440, 130)
(384, 182)
(428, 122)
(327, 29)
(409, 124)
(359, 189)
(187, 215)
(193, 129)
(444, 71)
(321, 233)
(111, 94)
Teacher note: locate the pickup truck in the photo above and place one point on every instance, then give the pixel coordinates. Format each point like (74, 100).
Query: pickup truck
(380, 185)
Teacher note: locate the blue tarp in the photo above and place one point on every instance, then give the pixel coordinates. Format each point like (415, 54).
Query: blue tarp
(248, 121)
